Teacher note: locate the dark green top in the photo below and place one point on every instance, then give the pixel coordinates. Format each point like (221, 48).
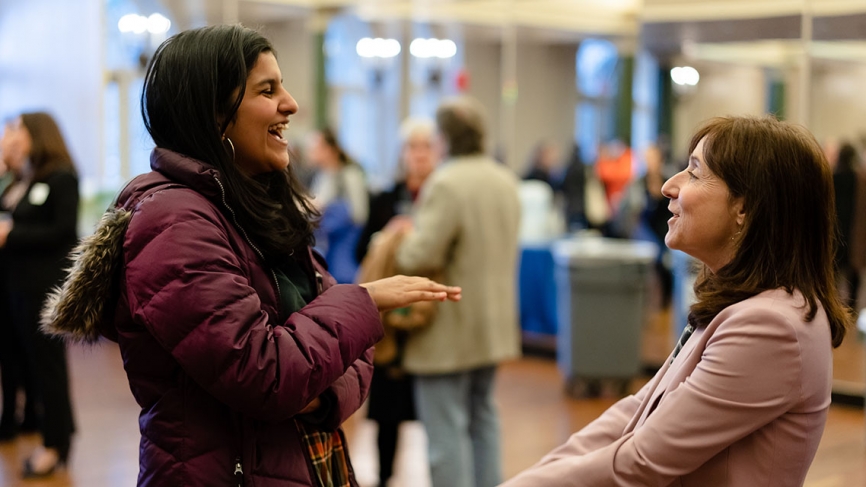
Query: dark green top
(296, 287)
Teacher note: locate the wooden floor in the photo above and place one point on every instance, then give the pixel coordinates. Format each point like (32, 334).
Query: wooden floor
(535, 413)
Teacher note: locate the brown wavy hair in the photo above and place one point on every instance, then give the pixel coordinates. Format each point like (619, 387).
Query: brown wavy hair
(48, 152)
(789, 233)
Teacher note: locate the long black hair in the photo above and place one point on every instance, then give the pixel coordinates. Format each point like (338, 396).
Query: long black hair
(192, 90)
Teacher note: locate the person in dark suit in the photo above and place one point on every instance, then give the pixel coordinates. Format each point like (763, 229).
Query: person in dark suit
(12, 364)
(36, 241)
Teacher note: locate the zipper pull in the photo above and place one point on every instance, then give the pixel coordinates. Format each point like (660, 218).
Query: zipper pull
(239, 471)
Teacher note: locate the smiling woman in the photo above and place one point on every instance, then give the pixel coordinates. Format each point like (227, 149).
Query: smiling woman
(257, 130)
(743, 397)
(705, 215)
(241, 350)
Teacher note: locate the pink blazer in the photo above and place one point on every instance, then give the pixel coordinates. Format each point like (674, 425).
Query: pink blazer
(743, 404)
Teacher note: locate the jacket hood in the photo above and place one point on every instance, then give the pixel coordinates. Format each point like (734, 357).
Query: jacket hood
(82, 307)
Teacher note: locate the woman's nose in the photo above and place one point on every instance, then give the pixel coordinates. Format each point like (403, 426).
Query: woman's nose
(671, 187)
(288, 104)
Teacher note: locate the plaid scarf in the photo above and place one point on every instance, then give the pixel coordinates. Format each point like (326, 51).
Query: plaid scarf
(328, 455)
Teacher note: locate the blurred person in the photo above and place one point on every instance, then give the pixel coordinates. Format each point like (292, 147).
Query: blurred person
(744, 396)
(614, 169)
(391, 392)
(466, 228)
(35, 243)
(9, 153)
(13, 367)
(419, 156)
(655, 216)
(544, 165)
(243, 354)
(574, 191)
(340, 191)
(849, 184)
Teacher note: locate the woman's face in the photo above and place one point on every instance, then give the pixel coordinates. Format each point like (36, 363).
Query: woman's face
(705, 216)
(15, 146)
(419, 157)
(257, 130)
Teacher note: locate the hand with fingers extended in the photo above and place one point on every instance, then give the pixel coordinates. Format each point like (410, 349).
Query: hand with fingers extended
(400, 291)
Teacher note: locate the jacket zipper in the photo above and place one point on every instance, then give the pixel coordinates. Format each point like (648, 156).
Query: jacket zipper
(247, 238)
(238, 467)
(239, 472)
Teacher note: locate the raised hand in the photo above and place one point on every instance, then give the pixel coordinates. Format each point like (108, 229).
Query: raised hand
(399, 291)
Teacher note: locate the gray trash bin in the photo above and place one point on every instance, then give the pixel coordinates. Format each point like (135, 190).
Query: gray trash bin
(601, 294)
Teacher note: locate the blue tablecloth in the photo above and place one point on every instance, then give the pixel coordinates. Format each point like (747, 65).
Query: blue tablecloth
(537, 290)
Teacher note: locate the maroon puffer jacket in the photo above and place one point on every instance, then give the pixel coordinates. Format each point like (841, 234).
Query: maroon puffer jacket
(216, 376)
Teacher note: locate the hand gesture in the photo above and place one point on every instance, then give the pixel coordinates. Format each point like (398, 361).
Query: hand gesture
(399, 224)
(400, 291)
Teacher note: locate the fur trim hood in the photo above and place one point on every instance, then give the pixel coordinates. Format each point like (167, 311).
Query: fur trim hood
(80, 308)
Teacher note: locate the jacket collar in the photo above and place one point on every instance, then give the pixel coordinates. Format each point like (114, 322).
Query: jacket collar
(198, 175)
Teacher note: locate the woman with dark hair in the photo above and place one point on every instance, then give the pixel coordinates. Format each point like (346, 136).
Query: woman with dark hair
(743, 398)
(340, 191)
(35, 243)
(243, 354)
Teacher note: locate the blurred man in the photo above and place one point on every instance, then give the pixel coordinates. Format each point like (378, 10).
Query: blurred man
(466, 228)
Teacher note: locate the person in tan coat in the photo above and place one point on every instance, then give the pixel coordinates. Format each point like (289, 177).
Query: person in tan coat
(465, 229)
(743, 398)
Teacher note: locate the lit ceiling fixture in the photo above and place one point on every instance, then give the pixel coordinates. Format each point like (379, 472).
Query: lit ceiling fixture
(378, 47)
(138, 24)
(427, 48)
(685, 76)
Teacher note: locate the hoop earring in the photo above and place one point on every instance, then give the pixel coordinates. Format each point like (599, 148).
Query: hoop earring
(231, 146)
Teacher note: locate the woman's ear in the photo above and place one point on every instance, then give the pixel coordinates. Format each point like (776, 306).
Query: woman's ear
(740, 212)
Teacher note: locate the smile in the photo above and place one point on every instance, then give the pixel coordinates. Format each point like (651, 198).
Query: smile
(276, 131)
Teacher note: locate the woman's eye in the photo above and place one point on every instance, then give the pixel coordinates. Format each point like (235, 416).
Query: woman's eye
(692, 175)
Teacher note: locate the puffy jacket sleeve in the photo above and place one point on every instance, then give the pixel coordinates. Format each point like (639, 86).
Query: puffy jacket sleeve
(350, 391)
(187, 285)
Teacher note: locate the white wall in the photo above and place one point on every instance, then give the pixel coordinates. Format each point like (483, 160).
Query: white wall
(838, 104)
(293, 41)
(546, 99)
(483, 61)
(51, 59)
(724, 89)
(547, 96)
